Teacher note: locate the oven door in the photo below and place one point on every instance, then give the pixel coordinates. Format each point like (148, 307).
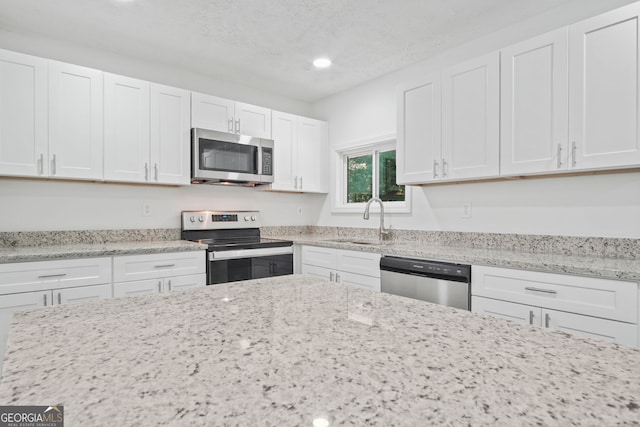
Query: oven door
(246, 264)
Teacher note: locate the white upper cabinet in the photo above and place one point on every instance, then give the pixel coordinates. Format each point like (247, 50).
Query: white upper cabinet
(300, 154)
(419, 126)
(170, 154)
(224, 115)
(534, 105)
(212, 112)
(126, 129)
(604, 104)
(285, 137)
(23, 115)
(471, 118)
(75, 121)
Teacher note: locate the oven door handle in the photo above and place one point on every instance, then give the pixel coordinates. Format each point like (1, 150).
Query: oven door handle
(249, 253)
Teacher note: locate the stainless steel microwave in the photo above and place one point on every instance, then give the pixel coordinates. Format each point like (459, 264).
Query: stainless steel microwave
(229, 158)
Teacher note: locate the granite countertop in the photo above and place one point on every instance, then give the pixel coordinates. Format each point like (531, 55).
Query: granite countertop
(608, 268)
(290, 350)
(87, 250)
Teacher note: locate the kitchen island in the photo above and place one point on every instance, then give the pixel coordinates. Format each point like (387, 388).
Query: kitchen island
(297, 351)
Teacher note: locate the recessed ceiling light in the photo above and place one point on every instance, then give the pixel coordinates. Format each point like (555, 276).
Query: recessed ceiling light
(322, 62)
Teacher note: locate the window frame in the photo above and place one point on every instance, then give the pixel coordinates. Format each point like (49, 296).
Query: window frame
(372, 147)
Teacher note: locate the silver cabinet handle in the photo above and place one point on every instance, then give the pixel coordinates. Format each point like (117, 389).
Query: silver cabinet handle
(46, 276)
(295, 182)
(444, 168)
(45, 300)
(531, 317)
(559, 156)
(146, 171)
(155, 169)
(547, 320)
(337, 277)
(53, 165)
(159, 286)
(164, 265)
(238, 126)
(301, 183)
(435, 168)
(231, 125)
(41, 165)
(169, 284)
(573, 153)
(59, 298)
(546, 291)
(331, 276)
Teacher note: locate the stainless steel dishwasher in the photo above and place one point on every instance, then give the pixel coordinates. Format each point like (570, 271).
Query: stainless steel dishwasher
(438, 282)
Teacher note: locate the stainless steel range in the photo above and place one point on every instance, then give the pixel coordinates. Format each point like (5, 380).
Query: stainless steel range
(236, 250)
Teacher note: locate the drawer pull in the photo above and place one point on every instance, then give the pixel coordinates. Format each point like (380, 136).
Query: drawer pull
(164, 265)
(46, 276)
(546, 291)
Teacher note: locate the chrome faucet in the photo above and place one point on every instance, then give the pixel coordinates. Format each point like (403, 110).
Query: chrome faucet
(383, 232)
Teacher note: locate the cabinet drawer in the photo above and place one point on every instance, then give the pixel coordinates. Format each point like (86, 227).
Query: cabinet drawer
(364, 263)
(609, 299)
(320, 257)
(154, 266)
(35, 276)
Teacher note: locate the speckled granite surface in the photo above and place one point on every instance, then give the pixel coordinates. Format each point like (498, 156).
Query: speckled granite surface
(87, 250)
(289, 350)
(86, 237)
(505, 255)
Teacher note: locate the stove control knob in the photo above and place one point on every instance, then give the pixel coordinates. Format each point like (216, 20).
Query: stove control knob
(201, 218)
(253, 218)
(246, 218)
(192, 219)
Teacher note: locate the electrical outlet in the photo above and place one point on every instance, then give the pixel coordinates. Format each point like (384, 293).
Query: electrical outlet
(146, 209)
(466, 210)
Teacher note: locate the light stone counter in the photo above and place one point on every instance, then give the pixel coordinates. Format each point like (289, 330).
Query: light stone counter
(289, 350)
(594, 266)
(88, 250)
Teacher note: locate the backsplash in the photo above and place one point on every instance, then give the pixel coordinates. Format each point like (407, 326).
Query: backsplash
(562, 245)
(49, 238)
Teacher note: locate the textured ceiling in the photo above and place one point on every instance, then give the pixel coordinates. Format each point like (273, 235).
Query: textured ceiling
(269, 44)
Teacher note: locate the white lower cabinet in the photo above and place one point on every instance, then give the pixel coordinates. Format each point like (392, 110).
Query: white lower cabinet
(584, 306)
(152, 274)
(359, 269)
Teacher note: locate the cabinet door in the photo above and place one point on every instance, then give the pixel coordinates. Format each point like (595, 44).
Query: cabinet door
(534, 105)
(363, 263)
(285, 164)
(419, 131)
(126, 129)
(137, 287)
(313, 155)
(521, 313)
(82, 294)
(170, 135)
(318, 256)
(252, 120)
(185, 282)
(320, 272)
(75, 121)
(358, 280)
(23, 115)
(591, 327)
(604, 113)
(9, 304)
(212, 112)
(470, 118)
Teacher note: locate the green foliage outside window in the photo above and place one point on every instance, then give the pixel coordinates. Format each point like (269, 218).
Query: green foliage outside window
(360, 178)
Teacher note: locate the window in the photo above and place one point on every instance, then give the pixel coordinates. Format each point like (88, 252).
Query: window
(369, 171)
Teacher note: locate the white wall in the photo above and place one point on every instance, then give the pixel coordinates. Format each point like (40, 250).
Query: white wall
(27, 205)
(601, 205)
(31, 205)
